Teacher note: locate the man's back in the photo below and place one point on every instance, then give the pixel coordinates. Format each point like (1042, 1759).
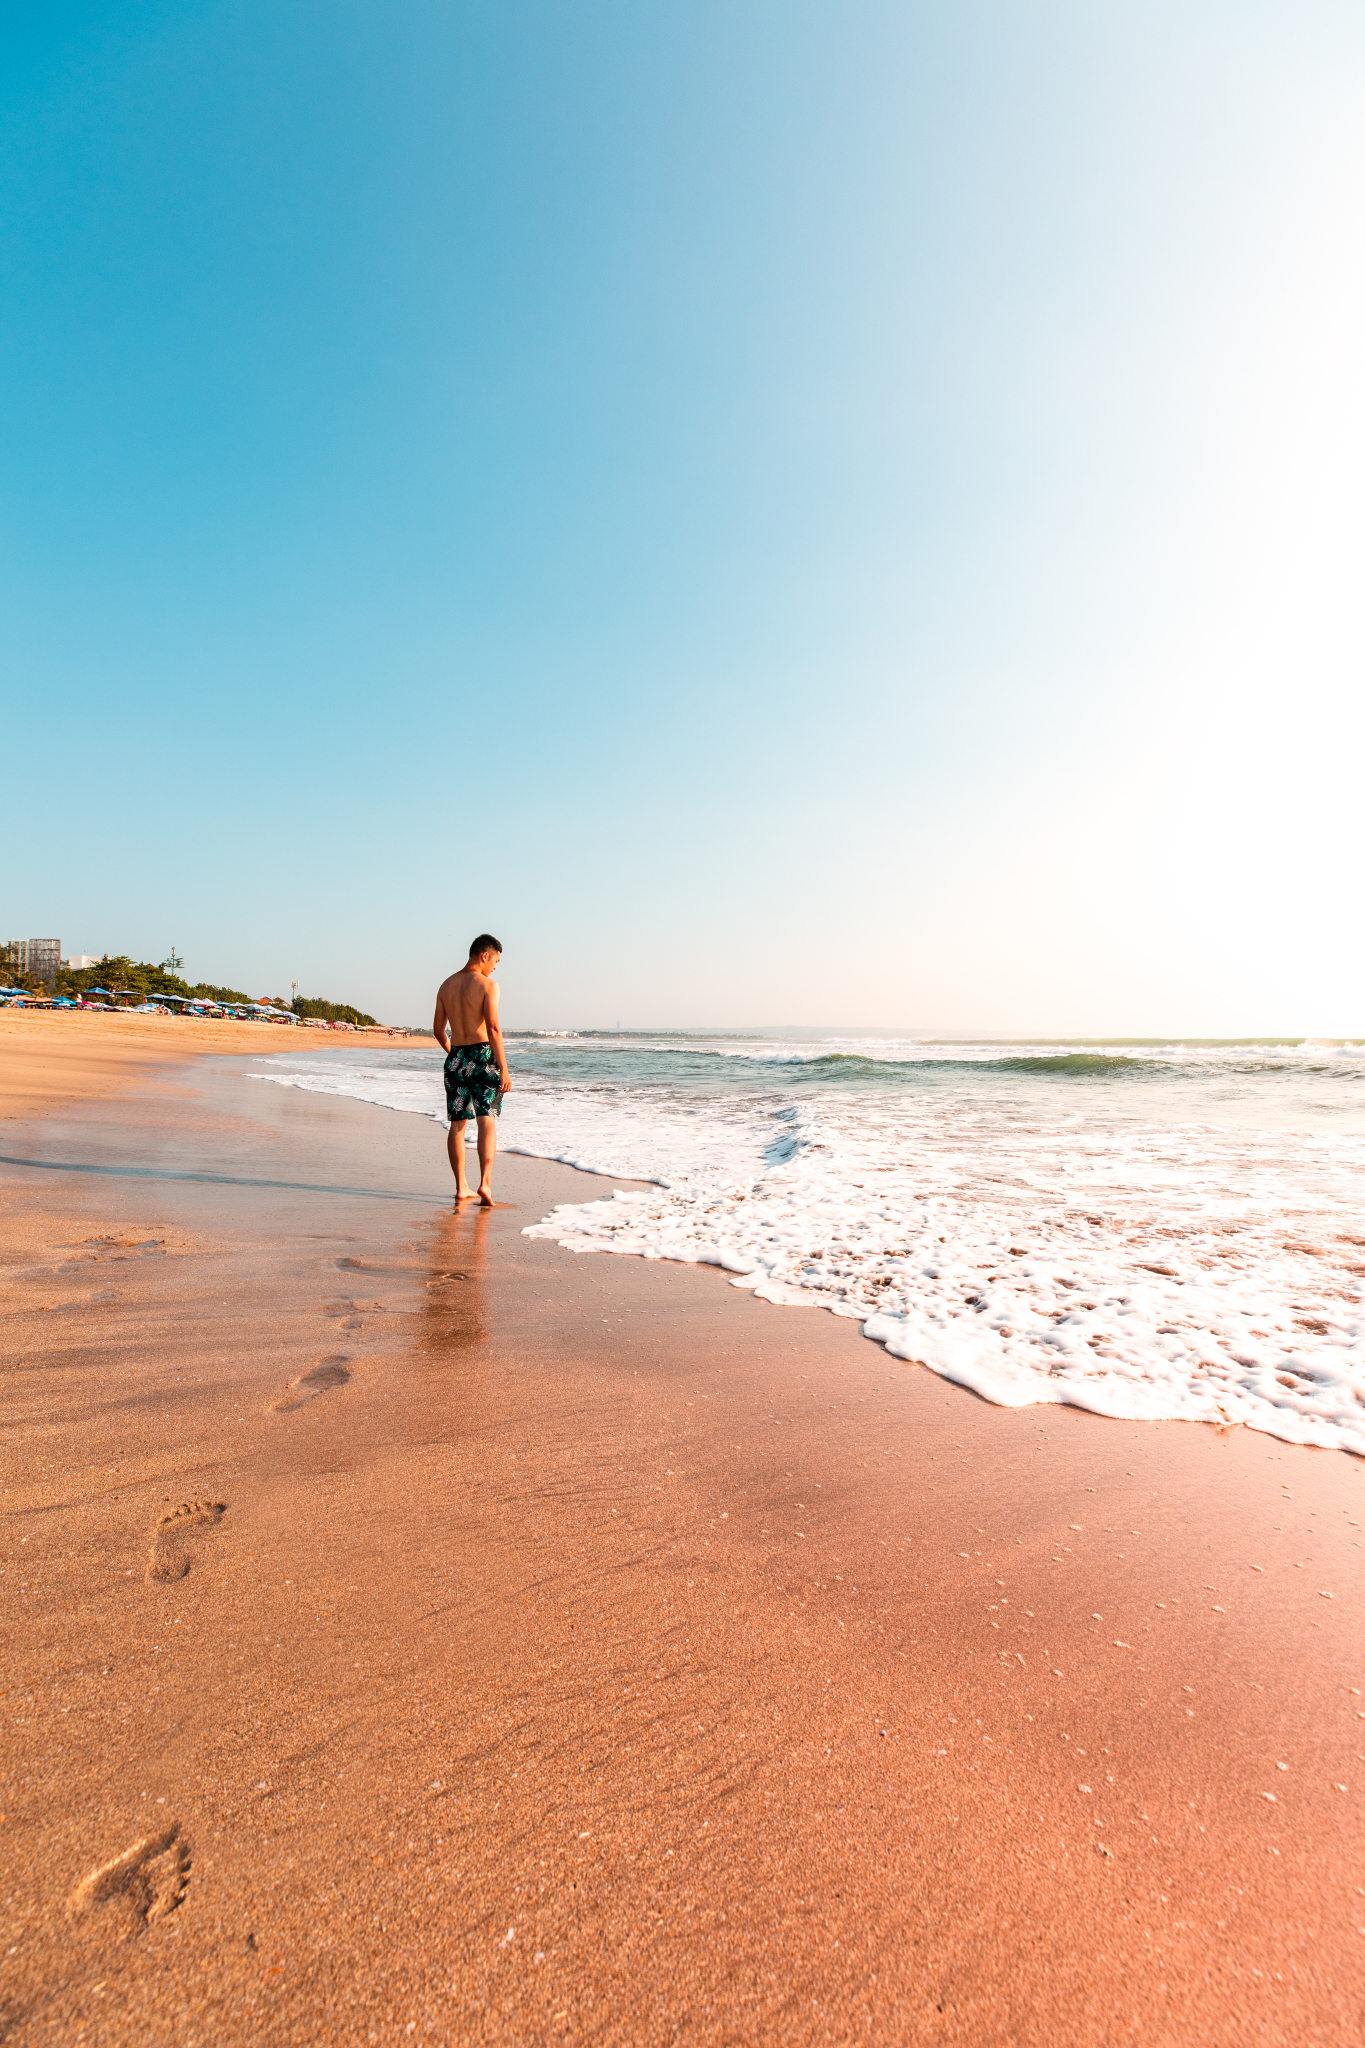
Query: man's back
(464, 999)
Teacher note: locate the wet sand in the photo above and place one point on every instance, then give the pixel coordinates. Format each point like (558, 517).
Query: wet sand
(417, 1632)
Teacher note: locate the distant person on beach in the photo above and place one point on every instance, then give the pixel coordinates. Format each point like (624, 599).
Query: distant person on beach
(467, 1029)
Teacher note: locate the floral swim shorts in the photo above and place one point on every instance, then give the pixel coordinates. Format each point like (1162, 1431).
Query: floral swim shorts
(471, 1082)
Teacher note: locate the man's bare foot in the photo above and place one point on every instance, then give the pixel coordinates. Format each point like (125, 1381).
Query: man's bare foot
(464, 1194)
(486, 1196)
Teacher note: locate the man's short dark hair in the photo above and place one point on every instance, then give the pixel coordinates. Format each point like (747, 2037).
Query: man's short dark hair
(485, 943)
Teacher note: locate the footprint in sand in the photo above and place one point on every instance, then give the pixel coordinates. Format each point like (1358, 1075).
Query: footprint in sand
(142, 1885)
(328, 1372)
(349, 1313)
(169, 1556)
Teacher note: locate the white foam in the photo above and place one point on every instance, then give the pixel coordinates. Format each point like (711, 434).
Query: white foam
(1036, 1244)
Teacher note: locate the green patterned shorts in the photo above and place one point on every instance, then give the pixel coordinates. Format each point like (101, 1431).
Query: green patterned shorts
(471, 1082)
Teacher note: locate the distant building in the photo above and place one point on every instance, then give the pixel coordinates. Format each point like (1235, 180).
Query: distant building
(79, 962)
(39, 959)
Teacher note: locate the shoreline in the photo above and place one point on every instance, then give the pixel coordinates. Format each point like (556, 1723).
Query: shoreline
(1160, 1266)
(589, 1650)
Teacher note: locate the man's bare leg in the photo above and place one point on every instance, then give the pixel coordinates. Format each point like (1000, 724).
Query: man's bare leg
(456, 1153)
(488, 1149)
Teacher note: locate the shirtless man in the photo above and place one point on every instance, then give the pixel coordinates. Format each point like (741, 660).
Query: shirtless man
(466, 1027)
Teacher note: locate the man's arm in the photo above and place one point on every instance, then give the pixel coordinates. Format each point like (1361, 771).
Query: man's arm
(490, 1013)
(440, 1023)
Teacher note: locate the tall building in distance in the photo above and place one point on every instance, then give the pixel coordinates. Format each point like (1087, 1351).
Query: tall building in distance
(39, 959)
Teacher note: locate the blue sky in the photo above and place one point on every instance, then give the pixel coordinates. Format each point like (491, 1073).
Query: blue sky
(785, 513)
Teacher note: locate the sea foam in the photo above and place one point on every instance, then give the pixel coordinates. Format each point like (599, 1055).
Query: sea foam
(1142, 1232)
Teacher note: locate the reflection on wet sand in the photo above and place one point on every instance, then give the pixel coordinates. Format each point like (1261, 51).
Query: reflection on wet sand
(455, 1316)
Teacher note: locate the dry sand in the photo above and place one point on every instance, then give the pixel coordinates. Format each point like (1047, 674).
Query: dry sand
(418, 1633)
(48, 1058)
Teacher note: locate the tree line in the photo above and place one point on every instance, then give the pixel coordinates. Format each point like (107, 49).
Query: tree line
(147, 982)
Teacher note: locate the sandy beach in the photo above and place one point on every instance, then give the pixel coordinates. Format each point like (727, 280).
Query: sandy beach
(417, 1632)
(51, 1058)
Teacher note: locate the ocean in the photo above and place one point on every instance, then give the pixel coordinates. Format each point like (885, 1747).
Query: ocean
(1147, 1230)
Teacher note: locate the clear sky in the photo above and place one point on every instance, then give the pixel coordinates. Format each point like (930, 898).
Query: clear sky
(783, 512)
